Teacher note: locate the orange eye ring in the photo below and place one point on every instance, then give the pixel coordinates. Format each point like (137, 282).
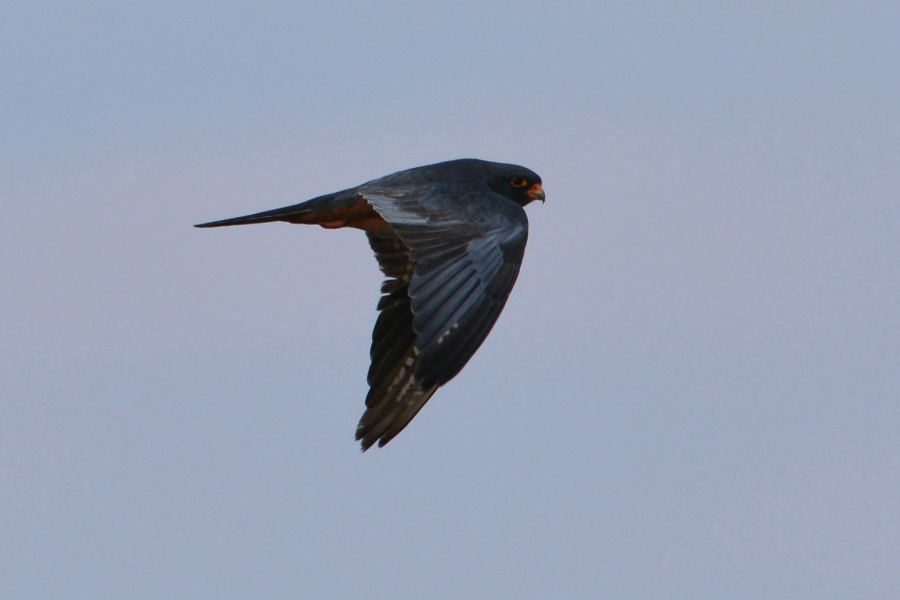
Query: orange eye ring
(518, 182)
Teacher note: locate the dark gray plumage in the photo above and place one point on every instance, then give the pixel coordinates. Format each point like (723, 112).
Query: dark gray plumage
(450, 238)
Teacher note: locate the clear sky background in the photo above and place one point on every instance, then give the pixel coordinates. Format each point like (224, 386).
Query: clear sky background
(694, 390)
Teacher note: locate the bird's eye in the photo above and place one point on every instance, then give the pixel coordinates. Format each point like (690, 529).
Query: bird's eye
(518, 181)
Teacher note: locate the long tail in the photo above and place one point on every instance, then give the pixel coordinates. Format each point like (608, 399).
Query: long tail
(310, 211)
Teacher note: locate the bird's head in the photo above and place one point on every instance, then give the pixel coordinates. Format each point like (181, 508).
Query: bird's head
(519, 184)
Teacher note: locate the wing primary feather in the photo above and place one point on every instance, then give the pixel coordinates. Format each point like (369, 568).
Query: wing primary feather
(448, 276)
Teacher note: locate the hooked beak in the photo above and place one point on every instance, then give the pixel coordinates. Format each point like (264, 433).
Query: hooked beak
(536, 192)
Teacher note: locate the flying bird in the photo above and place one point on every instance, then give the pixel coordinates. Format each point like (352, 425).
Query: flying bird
(449, 238)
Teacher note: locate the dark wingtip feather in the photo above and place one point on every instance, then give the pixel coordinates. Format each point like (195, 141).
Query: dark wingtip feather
(387, 416)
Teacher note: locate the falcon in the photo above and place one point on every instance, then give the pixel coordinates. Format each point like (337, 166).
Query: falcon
(449, 238)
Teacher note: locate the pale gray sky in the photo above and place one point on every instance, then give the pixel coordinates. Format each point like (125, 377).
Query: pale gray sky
(692, 393)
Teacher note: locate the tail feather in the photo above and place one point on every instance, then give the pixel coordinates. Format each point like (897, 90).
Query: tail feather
(304, 212)
(279, 214)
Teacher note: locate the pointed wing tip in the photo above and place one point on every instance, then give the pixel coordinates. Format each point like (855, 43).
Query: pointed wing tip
(380, 434)
(366, 442)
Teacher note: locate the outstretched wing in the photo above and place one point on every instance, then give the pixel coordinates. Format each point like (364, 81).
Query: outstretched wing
(395, 394)
(450, 269)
